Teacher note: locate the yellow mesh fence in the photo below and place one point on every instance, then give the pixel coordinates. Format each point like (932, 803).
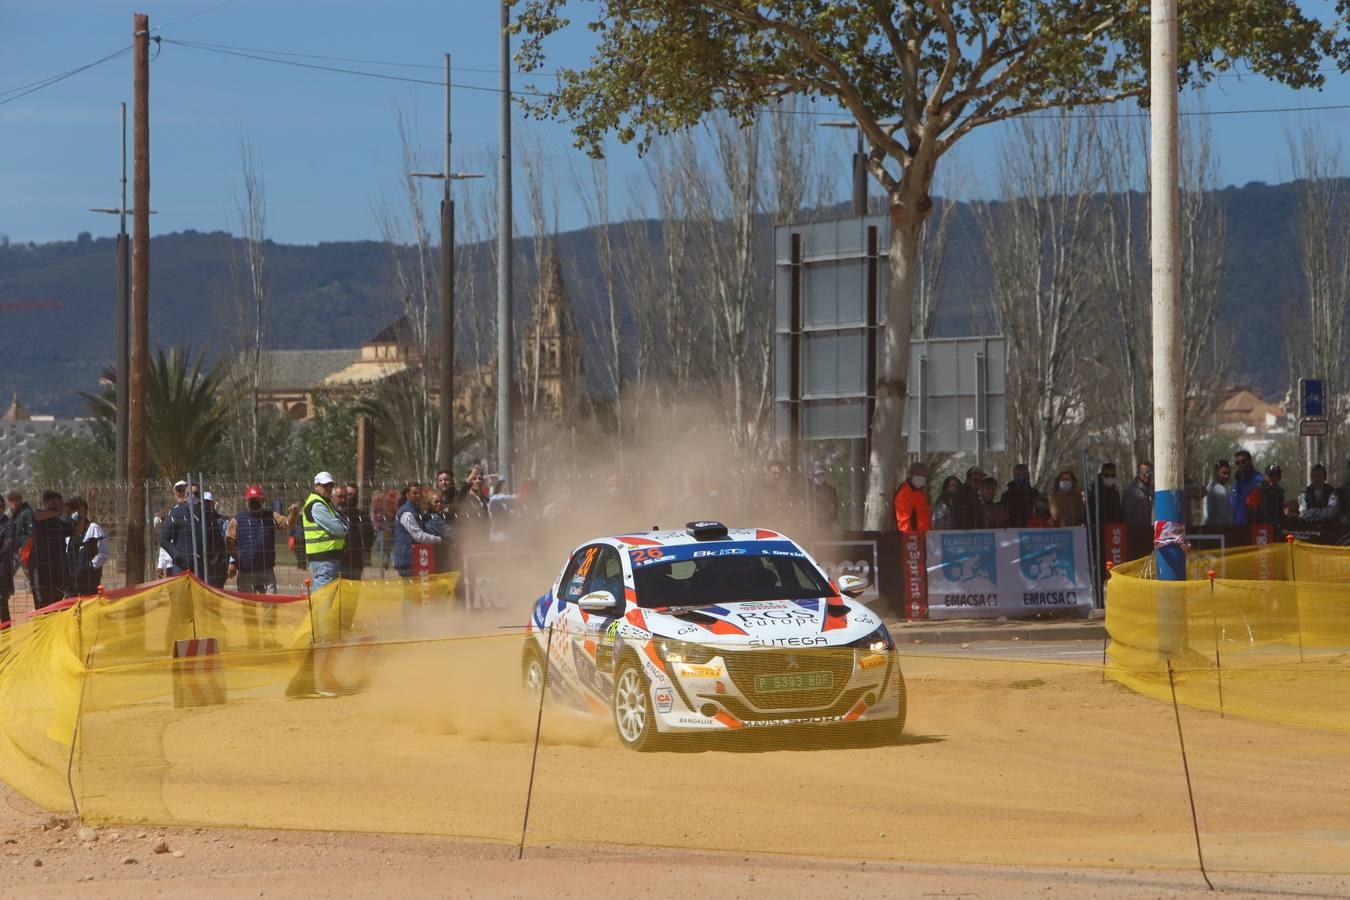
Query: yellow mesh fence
(1267, 637)
(387, 724)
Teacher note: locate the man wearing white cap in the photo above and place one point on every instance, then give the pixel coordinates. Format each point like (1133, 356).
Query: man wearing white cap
(325, 531)
(175, 535)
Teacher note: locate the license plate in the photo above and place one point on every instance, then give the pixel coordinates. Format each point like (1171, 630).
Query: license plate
(795, 681)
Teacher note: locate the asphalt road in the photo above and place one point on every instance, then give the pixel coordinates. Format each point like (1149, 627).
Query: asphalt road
(1042, 651)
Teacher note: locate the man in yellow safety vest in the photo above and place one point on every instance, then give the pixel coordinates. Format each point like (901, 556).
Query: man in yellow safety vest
(325, 531)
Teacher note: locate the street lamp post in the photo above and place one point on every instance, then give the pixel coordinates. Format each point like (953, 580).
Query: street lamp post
(445, 452)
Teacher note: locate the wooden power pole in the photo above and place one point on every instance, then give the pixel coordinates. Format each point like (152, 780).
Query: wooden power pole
(133, 564)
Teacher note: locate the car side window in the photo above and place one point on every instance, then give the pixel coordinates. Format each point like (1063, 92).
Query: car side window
(607, 573)
(573, 586)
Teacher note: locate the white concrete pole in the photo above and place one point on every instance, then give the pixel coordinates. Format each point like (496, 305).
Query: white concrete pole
(1168, 374)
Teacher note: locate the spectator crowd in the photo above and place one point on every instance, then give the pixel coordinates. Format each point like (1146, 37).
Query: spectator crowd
(61, 550)
(1237, 494)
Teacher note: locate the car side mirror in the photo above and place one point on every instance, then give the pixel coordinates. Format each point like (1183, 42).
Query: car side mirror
(598, 601)
(852, 585)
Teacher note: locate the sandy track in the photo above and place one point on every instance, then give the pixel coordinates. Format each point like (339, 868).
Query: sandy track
(1005, 763)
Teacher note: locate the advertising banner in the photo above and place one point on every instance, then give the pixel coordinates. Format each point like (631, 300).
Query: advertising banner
(1009, 573)
(423, 559)
(916, 577)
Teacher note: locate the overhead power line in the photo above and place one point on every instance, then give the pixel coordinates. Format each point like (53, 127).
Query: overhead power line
(399, 64)
(189, 16)
(32, 87)
(193, 45)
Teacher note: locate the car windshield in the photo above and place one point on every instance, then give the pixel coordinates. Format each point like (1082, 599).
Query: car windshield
(711, 580)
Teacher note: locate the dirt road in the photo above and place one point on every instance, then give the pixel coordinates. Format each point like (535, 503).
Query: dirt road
(1005, 763)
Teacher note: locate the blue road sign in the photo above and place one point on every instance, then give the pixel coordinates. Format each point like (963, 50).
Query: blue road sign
(1312, 398)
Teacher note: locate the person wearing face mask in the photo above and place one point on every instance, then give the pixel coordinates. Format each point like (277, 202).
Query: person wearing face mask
(1103, 501)
(1020, 496)
(251, 540)
(912, 512)
(1066, 501)
(824, 498)
(1218, 505)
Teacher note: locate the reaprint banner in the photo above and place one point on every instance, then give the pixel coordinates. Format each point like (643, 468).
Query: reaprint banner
(1007, 573)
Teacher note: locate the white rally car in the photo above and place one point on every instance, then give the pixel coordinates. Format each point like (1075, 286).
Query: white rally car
(710, 629)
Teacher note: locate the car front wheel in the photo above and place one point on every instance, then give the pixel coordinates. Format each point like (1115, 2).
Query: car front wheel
(892, 729)
(632, 704)
(532, 671)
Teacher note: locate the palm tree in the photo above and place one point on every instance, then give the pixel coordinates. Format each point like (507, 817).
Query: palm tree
(185, 416)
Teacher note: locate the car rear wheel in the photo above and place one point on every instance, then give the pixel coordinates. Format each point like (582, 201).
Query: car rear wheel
(632, 703)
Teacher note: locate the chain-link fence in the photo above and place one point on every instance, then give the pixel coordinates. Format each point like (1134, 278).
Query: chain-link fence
(547, 511)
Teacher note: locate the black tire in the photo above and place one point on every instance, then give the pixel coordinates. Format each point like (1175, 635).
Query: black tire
(893, 729)
(631, 705)
(532, 673)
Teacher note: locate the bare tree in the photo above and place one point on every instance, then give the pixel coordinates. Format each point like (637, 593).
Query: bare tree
(607, 329)
(1206, 350)
(724, 197)
(410, 420)
(478, 254)
(246, 328)
(541, 192)
(1323, 228)
(1039, 240)
(1123, 416)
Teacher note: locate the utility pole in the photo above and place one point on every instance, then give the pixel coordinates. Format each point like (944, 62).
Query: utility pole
(445, 456)
(445, 453)
(1168, 375)
(133, 563)
(122, 386)
(505, 363)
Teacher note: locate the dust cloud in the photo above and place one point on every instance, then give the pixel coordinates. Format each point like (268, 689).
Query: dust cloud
(682, 466)
(574, 487)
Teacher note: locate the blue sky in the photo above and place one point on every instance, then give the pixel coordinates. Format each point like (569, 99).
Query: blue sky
(327, 142)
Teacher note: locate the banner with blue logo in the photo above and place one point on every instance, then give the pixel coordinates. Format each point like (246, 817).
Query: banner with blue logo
(1008, 573)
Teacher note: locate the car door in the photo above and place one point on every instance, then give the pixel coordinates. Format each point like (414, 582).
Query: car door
(585, 636)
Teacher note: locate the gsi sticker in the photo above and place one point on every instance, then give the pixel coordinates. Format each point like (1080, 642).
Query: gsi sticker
(664, 701)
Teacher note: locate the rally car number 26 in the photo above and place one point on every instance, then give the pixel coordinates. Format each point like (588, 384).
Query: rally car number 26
(710, 629)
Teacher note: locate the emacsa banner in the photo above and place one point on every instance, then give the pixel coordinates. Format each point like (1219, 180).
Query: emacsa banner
(963, 573)
(1011, 573)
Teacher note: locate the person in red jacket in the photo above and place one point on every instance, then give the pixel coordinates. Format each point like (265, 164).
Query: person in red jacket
(912, 512)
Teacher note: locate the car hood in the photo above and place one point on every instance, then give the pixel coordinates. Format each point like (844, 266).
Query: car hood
(820, 622)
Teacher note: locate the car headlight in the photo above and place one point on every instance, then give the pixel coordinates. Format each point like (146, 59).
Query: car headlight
(878, 641)
(684, 652)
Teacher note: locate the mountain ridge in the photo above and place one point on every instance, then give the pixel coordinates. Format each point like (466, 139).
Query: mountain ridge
(57, 298)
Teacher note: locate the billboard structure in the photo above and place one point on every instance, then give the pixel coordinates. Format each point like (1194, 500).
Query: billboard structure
(829, 303)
